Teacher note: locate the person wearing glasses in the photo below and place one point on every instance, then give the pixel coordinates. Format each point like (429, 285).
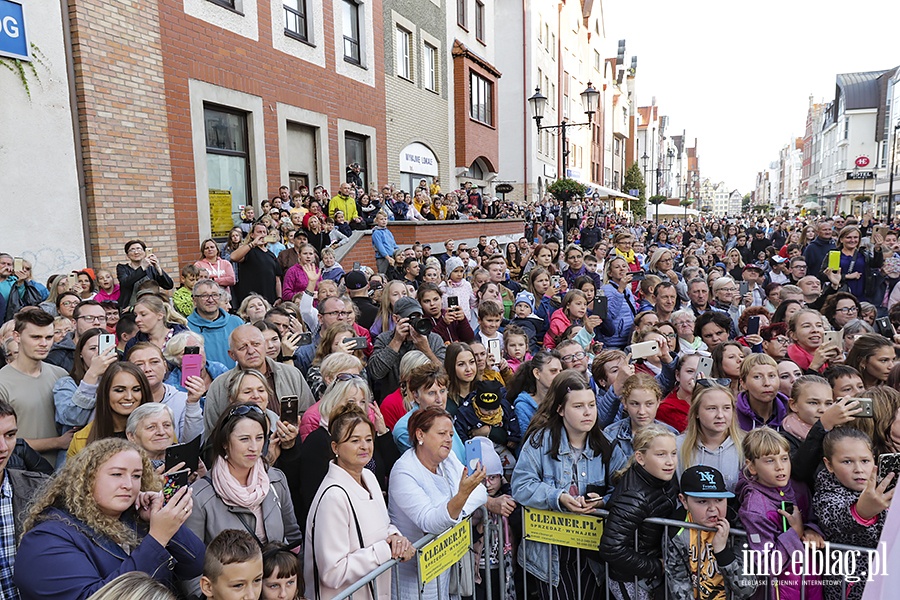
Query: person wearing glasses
(241, 491)
(87, 315)
(210, 321)
(775, 340)
(727, 300)
(140, 267)
(331, 309)
(840, 309)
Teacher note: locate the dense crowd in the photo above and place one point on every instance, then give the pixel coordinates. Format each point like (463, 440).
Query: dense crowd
(279, 425)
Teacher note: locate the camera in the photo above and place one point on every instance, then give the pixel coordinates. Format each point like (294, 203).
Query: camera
(420, 324)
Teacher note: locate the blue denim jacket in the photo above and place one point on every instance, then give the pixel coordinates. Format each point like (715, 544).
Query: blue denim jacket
(538, 481)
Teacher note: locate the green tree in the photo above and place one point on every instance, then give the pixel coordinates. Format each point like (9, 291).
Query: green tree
(634, 180)
(745, 203)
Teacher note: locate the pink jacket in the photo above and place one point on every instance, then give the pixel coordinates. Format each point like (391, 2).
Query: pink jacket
(295, 282)
(559, 322)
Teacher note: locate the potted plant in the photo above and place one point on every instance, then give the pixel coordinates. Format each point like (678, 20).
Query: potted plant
(565, 189)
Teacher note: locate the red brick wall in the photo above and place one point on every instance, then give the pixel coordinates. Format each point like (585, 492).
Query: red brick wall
(473, 139)
(195, 49)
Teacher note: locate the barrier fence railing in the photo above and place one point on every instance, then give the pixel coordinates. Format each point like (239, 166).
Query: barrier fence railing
(435, 554)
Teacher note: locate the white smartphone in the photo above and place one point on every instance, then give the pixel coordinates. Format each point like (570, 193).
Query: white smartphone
(704, 368)
(494, 350)
(644, 349)
(832, 337)
(105, 341)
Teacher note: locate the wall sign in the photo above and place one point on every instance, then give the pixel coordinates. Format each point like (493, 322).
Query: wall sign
(418, 159)
(13, 40)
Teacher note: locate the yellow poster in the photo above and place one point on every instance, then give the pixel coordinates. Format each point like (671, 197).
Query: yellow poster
(220, 212)
(563, 529)
(437, 556)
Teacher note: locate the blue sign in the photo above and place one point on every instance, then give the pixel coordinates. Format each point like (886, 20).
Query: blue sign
(13, 41)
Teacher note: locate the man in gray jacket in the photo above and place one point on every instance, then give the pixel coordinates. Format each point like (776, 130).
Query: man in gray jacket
(248, 349)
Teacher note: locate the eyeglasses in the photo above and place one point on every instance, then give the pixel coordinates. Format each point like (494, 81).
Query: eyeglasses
(850, 310)
(70, 303)
(207, 296)
(96, 319)
(342, 313)
(245, 409)
(576, 356)
(781, 340)
(346, 377)
(671, 336)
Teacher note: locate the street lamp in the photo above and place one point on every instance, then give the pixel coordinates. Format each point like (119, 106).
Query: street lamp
(538, 102)
(890, 207)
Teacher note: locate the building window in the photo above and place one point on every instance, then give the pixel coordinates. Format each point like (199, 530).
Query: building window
(356, 151)
(404, 53)
(461, 17)
(227, 155)
(295, 24)
(351, 32)
(430, 58)
(479, 20)
(232, 4)
(480, 98)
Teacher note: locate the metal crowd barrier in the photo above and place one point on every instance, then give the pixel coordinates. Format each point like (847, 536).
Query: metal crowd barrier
(580, 532)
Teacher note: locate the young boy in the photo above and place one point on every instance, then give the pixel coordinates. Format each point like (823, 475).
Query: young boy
(331, 270)
(232, 568)
(515, 343)
(701, 564)
(524, 317)
(490, 317)
(182, 298)
(844, 380)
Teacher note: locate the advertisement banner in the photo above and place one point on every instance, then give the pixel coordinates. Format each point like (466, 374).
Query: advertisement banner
(563, 529)
(446, 550)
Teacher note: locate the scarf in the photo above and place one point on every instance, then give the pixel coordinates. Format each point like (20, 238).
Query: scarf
(494, 420)
(629, 257)
(250, 497)
(707, 581)
(795, 426)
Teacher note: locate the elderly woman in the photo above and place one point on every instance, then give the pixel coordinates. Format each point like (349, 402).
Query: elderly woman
(83, 530)
(683, 321)
(151, 427)
(662, 264)
(316, 452)
(174, 352)
(241, 491)
(430, 491)
(348, 531)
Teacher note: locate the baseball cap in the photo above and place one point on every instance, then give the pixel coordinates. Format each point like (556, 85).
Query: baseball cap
(487, 395)
(406, 307)
(753, 266)
(355, 280)
(453, 263)
(704, 482)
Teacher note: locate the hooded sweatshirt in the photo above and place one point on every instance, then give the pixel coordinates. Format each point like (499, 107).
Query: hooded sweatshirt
(215, 335)
(749, 420)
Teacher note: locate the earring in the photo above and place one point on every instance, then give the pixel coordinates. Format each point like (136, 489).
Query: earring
(421, 442)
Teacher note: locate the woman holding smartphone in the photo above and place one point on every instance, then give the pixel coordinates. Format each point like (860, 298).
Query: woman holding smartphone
(74, 396)
(259, 271)
(855, 263)
(141, 266)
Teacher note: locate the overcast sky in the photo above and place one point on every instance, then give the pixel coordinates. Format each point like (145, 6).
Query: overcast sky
(737, 75)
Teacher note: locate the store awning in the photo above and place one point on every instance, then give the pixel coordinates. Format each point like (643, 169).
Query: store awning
(605, 192)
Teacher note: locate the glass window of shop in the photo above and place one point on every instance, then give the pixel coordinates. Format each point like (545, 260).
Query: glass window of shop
(227, 160)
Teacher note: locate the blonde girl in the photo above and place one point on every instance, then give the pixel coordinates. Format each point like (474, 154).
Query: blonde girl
(393, 290)
(712, 437)
(641, 396)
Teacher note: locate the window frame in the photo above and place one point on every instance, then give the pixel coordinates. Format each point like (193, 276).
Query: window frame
(481, 89)
(462, 16)
(232, 5)
(403, 56)
(244, 154)
(479, 21)
(430, 67)
(301, 14)
(357, 42)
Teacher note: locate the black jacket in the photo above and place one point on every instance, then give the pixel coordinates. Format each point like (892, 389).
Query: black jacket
(637, 496)
(25, 486)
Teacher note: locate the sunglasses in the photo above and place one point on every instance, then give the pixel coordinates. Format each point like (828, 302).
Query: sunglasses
(346, 377)
(709, 383)
(245, 409)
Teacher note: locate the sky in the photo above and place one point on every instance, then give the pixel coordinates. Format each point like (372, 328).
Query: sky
(737, 75)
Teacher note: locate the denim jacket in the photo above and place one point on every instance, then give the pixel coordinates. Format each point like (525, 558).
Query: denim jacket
(539, 480)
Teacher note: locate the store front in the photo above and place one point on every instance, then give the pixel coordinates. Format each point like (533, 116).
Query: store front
(417, 162)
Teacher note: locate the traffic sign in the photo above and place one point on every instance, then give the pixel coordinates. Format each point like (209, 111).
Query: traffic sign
(13, 40)
(862, 161)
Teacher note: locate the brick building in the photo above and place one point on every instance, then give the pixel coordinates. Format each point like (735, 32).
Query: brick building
(179, 97)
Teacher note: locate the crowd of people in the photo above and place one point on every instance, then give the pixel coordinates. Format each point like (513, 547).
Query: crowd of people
(729, 373)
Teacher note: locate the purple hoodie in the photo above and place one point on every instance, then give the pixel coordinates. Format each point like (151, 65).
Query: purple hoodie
(748, 420)
(759, 515)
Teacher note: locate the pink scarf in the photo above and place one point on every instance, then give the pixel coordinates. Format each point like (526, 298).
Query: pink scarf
(795, 426)
(250, 497)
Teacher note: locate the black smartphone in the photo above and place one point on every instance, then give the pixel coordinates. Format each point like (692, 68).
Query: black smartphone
(601, 306)
(787, 507)
(174, 482)
(290, 409)
(889, 463)
(452, 301)
(188, 453)
(594, 493)
(638, 275)
(753, 325)
(305, 339)
(356, 266)
(883, 327)
(359, 343)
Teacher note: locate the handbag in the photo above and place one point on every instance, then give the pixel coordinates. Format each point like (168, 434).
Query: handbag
(358, 534)
(462, 576)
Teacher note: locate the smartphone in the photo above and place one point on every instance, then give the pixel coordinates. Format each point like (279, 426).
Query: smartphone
(18, 264)
(356, 266)
(271, 239)
(473, 455)
(105, 341)
(174, 482)
(889, 463)
(290, 409)
(753, 325)
(866, 405)
(188, 453)
(359, 343)
(537, 240)
(452, 301)
(494, 350)
(638, 275)
(832, 337)
(191, 363)
(644, 349)
(745, 288)
(594, 493)
(601, 306)
(148, 251)
(554, 281)
(834, 260)
(787, 507)
(305, 339)
(883, 327)
(882, 230)
(73, 281)
(704, 368)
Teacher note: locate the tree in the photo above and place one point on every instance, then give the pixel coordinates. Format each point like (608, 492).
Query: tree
(634, 180)
(745, 203)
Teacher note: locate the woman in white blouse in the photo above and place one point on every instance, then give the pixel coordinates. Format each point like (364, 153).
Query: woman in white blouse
(430, 491)
(348, 533)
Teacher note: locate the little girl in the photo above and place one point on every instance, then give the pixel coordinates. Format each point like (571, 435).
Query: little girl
(539, 286)
(776, 511)
(572, 312)
(515, 342)
(640, 397)
(645, 488)
(282, 575)
(653, 365)
(849, 501)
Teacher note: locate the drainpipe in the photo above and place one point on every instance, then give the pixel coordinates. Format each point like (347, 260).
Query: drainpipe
(525, 96)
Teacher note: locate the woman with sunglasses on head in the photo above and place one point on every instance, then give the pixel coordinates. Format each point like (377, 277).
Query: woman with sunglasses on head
(241, 491)
(141, 266)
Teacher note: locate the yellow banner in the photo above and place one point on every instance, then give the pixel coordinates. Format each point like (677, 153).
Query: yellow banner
(563, 529)
(437, 556)
(220, 212)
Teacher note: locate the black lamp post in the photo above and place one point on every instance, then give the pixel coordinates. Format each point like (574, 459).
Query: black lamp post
(538, 104)
(890, 206)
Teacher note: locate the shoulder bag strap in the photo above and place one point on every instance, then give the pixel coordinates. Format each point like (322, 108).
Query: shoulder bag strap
(358, 534)
(240, 516)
